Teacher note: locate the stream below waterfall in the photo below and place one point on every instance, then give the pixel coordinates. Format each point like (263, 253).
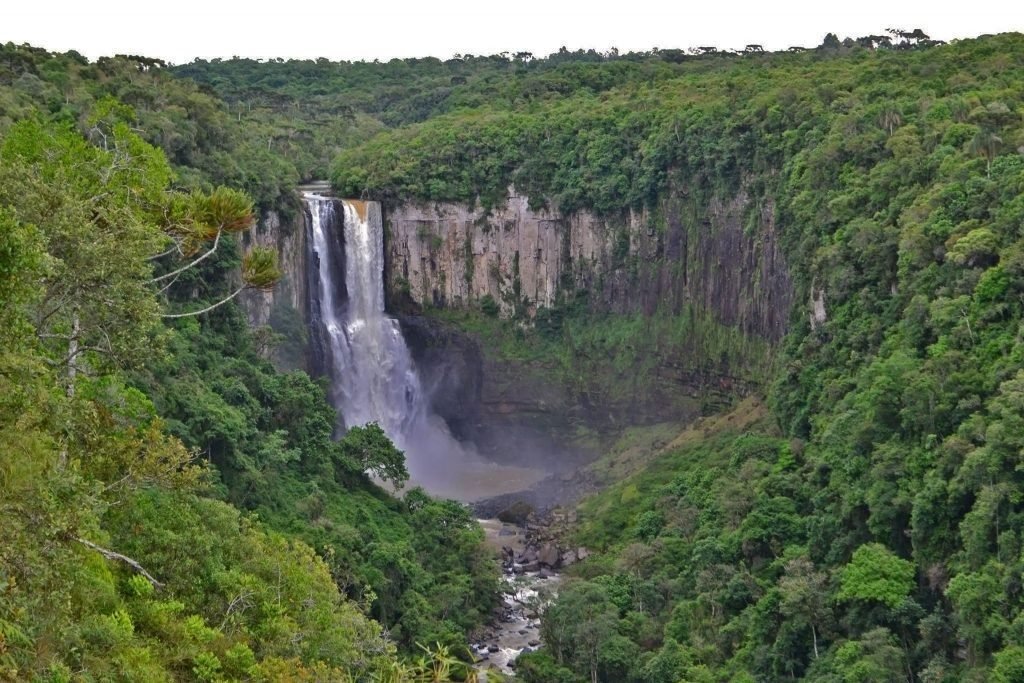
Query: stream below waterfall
(360, 348)
(516, 628)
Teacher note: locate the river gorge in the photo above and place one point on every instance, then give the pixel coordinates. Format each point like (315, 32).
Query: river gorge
(483, 428)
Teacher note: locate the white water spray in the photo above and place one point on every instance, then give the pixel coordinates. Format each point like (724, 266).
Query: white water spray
(373, 378)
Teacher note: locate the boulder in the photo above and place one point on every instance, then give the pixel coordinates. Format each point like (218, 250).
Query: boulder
(549, 555)
(516, 513)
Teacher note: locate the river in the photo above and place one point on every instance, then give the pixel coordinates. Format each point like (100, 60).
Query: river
(525, 595)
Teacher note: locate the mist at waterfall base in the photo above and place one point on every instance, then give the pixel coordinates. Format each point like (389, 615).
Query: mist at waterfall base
(372, 375)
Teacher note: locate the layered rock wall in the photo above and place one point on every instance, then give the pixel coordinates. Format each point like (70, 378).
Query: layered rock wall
(718, 258)
(721, 256)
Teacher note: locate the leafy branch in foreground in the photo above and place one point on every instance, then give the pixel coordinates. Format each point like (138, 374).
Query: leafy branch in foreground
(198, 218)
(259, 271)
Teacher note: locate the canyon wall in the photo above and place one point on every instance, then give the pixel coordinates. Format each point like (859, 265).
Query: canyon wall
(721, 257)
(285, 308)
(718, 258)
(715, 259)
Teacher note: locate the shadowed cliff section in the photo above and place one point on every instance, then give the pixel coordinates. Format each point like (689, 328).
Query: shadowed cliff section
(512, 412)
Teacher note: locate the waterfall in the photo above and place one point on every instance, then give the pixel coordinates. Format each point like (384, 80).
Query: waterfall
(360, 348)
(372, 373)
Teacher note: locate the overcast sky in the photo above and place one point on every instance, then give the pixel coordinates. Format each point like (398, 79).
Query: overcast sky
(180, 30)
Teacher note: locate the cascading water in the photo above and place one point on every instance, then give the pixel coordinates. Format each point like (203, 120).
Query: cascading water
(361, 349)
(374, 378)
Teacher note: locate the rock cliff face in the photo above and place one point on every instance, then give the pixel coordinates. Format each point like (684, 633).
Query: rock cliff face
(285, 307)
(722, 257)
(718, 258)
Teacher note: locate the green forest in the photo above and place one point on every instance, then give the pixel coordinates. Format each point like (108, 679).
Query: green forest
(175, 509)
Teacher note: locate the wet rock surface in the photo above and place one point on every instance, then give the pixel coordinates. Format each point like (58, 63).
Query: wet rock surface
(530, 556)
(539, 500)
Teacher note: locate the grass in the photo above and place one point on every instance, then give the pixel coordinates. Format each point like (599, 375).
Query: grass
(646, 459)
(614, 356)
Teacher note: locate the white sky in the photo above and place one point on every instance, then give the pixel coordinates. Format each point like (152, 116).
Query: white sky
(180, 30)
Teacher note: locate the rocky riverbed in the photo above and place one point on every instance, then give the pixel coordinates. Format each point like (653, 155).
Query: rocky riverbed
(530, 559)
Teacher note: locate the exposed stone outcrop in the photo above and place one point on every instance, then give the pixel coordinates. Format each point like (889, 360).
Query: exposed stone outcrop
(285, 307)
(818, 313)
(723, 257)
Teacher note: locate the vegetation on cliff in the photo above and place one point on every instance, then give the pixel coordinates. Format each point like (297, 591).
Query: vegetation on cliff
(173, 508)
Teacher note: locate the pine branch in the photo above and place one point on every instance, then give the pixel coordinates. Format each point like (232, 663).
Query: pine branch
(208, 308)
(111, 555)
(175, 248)
(185, 267)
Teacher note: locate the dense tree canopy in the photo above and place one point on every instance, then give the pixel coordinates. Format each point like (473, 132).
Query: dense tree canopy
(133, 399)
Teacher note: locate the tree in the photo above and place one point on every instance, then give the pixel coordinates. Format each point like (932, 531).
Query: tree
(539, 667)
(1009, 666)
(871, 658)
(977, 249)
(980, 604)
(106, 216)
(668, 665)
(577, 626)
(22, 262)
(875, 573)
(96, 211)
(890, 120)
(986, 143)
(369, 449)
(991, 120)
(199, 218)
(804, 594)
(831, 42)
